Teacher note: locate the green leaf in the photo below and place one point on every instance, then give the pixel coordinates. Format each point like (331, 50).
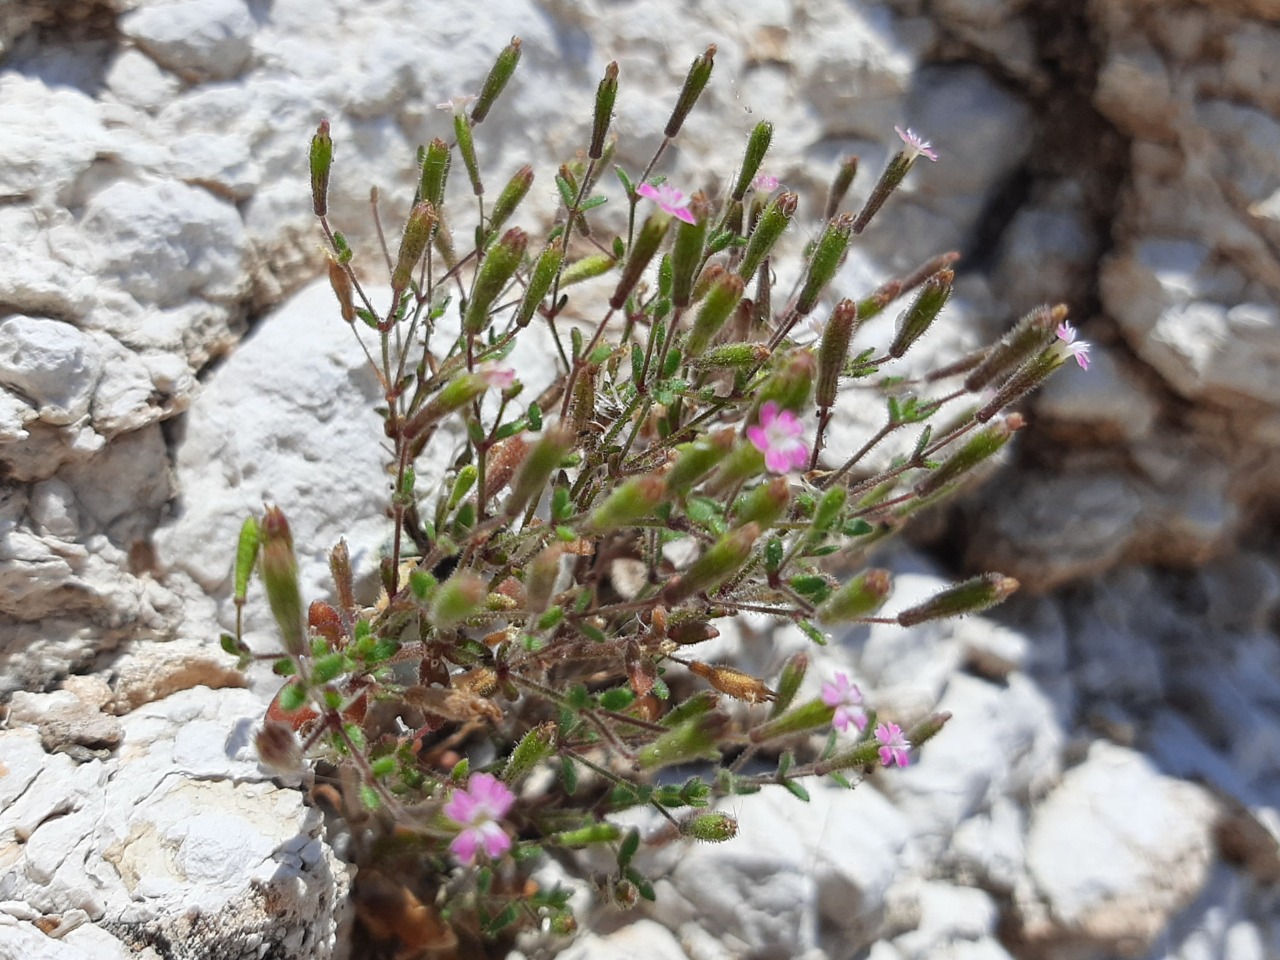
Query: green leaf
(619, 698)
(796, 789)
(369, 797)
(624, 180)
(592, 202)
(630, 844)
(568, 776)
(535, 417)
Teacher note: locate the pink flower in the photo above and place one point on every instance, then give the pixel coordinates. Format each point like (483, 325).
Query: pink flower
(496, 375)
(765, 183)
(669, 200)
(458, 105)
(847, 699)
(916, 145)
(893, 745)
(1077, 348)
(485, 801)
(777, 436)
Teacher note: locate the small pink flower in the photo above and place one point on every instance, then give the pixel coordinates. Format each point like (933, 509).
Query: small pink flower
(496, 375)
(777, 436)
(478, 809)
(1077, 348)
(893, 745)
(847, 699)
(458, 105)
(669, 200)
(765, 183)
(916, 145)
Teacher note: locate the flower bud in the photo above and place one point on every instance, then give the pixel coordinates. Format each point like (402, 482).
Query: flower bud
(413, 243)
(894, 172)
(789, 681)
(540, 577)
(606, 94)
(985, 443)
(928, 728)
(512, 196)
(721, 561)
(456, 599)
(732, 356)
(694, 84)
(732, 683)
(773, 221)
(503, 67)
(501, 463)
(790, 385)
(743, 462)
(765, 504)
(695, 460)
(541, 277)
(828, 511)
(638, 257)
(922, 312)
(836, 337)
(340, 281)
(810, 715)
(467, 147)
(279, 569)
(534, 747)
(710, 827)
(972, 596)
(634, 500)
(715, 310)
(825, 261)
(537, 468)
(695, 739)
(278, 747)
(859, 598)
(246, 555)
(321, 160)
(845, 172)
(582, 405)
(435, 171)
(688, 633)
(457, 393)
(499, 266)
(757, 147)
(343, 580)
(1027, 378)
(1031, 334)
(686, 251)
(587, 268)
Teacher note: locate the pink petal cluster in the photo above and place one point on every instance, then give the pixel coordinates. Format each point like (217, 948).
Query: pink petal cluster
(917, 146)
(777, 436)
(478, 809)
(1077, 348)
(765, 183)
(847, 699)
(893, 745)
(669, 200)
(496, 375)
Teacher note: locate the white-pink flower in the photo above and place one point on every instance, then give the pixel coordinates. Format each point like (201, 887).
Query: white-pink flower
(777, 436)
(669, 200)
(496, 375)
(893, 745)
(458, 105)
(1076, 348)
(765, 183)
(917, 146)
(847, 699)
(478, 809)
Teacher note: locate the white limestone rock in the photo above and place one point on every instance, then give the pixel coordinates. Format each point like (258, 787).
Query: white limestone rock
(51, 364)
(199, 40)
(51, 136)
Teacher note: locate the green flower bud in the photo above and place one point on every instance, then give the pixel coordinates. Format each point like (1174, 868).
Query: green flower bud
(897, 168)
(972, 596)
(686, 252)
(541, 277)
(861, 597)
(811, 715)
(534, 747)
(634, 500)
(467, 147)
(742, 463)
(587, 268)
(694, 84)
(540, 577)
(773, 221)
(1029, 336)
(606, 94)
(456, 599)
(499, 266)
(542, 460)
(982, 445)
(641, 252)
(721, 561)
(927, 729)
(834, 349)
(732, 356)
(413, 243)
(765, 504)
(321, 162)
(279, 570)
(714, 311)
(588, 835)
(435, 171)
(846, 170)
(695, 739)
(789, 681)
(828, 511)
(790, 385)
(710, 827)
(512, 195)
(1027, 378)
(246, 555)
(695, 460)
(757, 147)
(499, 74)
(825, 261)
(922, 312)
